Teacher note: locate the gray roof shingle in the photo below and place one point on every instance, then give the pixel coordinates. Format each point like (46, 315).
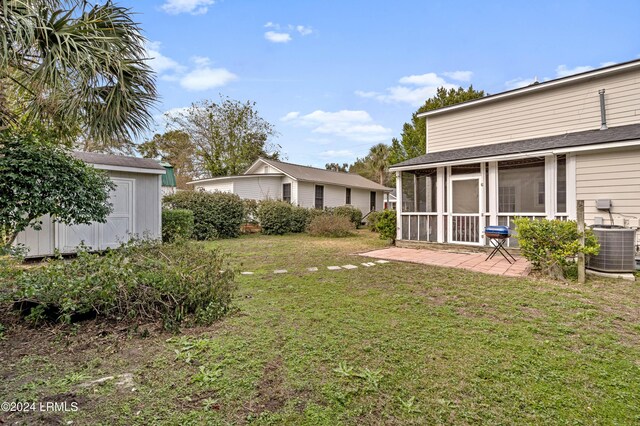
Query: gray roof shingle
(567, 140)
(312, 174)
(117, 160)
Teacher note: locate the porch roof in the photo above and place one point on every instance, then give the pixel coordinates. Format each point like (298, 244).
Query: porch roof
(566, 140)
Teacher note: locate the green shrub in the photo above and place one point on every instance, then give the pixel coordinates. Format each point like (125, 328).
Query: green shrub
(328, 225)
(352, 213)
(386, 225)
(551, 245)
(250, 211)
(275, 217)
(176, 224)
(372, 220)
(299, 217)
(141, 281)
(313, 213)
(215, 214)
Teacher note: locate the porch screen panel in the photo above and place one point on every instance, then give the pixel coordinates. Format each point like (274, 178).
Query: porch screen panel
(413, 227)
(521, 186)
(465, 196)
(426, 190)
(408, 192)
(405, 227)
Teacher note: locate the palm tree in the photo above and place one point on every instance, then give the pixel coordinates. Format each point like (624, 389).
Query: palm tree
(378, 161)
(74, 67)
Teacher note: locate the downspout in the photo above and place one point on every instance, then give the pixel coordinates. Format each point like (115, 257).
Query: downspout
(603, 113)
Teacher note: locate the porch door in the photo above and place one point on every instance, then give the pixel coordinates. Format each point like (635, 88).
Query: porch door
(464, 205)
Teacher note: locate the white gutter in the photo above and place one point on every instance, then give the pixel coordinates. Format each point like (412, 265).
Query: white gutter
(520, 155)
(542, 86)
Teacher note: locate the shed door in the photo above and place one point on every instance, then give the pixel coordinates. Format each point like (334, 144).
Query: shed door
(99, 236)
(119, 223)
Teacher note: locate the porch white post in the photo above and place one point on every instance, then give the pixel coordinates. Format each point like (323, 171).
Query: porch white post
(398, 205)
(440, 183)
(550, 186)
(572, 193)
(493, 193)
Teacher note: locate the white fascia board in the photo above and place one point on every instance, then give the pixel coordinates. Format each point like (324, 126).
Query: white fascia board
(223, 178)
(128, 169)
(584, 148)
(542, 86)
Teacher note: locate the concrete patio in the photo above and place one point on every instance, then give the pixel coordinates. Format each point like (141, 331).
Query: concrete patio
(458, 259)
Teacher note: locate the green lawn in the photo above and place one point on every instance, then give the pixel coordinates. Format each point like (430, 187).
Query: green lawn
(391, 344)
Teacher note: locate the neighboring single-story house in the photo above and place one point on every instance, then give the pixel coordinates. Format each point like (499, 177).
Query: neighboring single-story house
(136, 209)
(390, 201)
(300, 185)
(532, 151)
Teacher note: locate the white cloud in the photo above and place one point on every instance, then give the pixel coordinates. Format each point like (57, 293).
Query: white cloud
(340, 153)
(304, 30)
(519, 82)
(607, 64)
(158, 62)
(201, 76)
(563, 71)
(347, 124)
(429, 79)
(290, 116)
(276, 37)
(414, 89)
(194, 7)
(205, 78)
(459, 75)
(283, 33)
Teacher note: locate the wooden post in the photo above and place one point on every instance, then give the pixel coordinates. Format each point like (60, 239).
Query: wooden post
(580, 220)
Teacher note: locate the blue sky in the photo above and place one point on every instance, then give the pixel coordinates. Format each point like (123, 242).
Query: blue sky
(336, 77)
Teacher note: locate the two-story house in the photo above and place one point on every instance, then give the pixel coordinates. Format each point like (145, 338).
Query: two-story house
(532, 151)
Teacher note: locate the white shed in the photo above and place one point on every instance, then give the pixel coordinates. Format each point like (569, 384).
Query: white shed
(136, 209)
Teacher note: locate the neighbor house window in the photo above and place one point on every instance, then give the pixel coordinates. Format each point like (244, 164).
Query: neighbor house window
(319, 197)
(373, 201)
(286, 192)
(347, 198)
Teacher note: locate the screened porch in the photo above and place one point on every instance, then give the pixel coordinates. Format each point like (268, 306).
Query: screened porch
(454, 203)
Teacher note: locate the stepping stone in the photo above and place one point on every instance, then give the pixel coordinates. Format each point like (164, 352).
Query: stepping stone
(368, 264)
(280, 271)
(349, 266)
(246, 273)
(333, 268)
(382, 261)
(312, 269)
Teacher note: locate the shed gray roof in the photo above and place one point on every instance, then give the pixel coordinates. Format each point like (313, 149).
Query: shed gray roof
(118, 160)
(567, 140)
(313, 174)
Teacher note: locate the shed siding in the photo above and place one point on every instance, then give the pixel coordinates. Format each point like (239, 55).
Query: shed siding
(39, 243)
(549, 112)
(614, 175)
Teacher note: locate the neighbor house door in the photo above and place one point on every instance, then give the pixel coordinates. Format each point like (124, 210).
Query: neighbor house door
(464, 205)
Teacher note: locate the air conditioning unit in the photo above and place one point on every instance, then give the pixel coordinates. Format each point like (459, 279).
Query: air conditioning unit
(617, 249)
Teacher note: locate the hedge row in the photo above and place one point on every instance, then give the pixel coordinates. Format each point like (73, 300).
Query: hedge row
(280, 217)
(211, 215)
